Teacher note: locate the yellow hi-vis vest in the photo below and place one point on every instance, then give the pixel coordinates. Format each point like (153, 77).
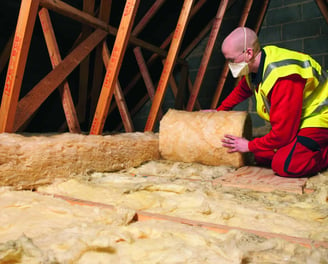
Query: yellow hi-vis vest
(281, 62)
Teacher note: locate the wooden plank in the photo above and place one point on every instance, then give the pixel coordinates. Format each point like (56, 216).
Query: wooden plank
(76, 201)
(197, 39)
(119, 97)
(306, 242)
(137, 107)
(197, 104)
(169, 64)
(138, 54)
(254, 178)
(104, 11)
(114, 66)
(257, 25)
(88, 7)
(21, 44)
(225, 70)
(261, 15)
(78, 15)
(147, 17)
(144, 72)
(145, 98)
(261, 179)
(245, 13)
(118, 93)
(173, 84)
(140, 104)
(167, 41)
(222, 229)
(164, 45)
(5, 54)
(137, 29)
(98, 73)
(323, 6)
(207, 54)
(219, 88)
(32, 101)
(201, 35)
(55, 58)
(146, 75)
(182, 89)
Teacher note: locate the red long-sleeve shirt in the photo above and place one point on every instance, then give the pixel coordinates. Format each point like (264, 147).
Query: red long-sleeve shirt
(286, 98)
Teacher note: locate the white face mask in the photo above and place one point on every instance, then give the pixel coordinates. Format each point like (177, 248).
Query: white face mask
(241, 68)
(238, 69)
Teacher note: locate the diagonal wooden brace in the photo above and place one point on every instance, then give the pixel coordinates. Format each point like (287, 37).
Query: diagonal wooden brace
(64, 89)
(207, 54)
(114, 66)
(32, 101)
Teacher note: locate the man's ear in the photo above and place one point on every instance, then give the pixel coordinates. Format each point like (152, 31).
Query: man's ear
(249, 53)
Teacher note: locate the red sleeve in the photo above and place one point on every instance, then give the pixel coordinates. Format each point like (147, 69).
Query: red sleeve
(238, 94)
(285, 114)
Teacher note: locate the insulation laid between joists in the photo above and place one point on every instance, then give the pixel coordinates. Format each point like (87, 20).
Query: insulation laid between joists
(30, 161)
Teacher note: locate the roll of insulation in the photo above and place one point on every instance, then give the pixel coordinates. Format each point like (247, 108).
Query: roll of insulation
(196, 136)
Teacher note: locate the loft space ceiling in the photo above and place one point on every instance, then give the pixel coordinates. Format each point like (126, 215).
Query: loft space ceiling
(50, 116)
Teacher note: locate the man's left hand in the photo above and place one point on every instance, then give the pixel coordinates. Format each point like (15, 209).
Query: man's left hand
(235, 144)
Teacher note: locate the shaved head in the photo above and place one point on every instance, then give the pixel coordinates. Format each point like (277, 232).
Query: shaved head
(242, 46)
(235, 41)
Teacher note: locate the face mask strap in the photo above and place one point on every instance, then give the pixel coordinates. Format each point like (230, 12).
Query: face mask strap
(245, 35)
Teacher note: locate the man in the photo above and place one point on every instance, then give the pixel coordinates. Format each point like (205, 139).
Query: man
(291, 91)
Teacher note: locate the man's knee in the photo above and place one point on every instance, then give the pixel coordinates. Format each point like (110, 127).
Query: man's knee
(298, 159)
(283, 168)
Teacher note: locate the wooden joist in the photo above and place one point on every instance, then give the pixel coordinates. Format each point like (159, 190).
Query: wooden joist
(262, 179)
(182, 89)
(104, 14)
(169, 64)
(260, 18)
(147, 17)
(88, 7)
(323, 6)
(225, 70)
(64, 89)
(114, 65)
(5, 54)
(78, 15)
(147, 216)
(137, 51)
(14, 115)
(119, 96)
(164, 45)
(146, 76)
(207, 54)
(19, 52)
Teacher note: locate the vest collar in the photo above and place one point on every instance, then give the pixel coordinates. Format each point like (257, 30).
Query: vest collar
(256, 78)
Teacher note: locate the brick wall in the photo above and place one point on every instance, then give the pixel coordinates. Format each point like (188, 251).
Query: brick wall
(298, 25)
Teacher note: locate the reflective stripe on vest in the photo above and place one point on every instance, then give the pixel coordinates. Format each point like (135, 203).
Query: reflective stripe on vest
(279, 63)
(302, 64)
